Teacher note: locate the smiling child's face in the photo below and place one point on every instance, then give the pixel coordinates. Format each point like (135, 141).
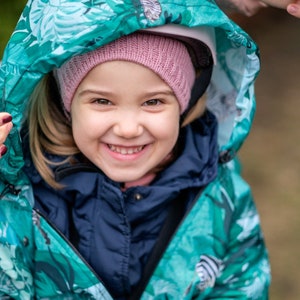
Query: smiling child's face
(125, 119)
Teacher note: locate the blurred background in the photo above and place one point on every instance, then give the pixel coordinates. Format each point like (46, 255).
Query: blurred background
(271, 154)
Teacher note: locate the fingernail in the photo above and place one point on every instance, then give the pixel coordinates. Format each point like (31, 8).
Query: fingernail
(6, 119)
(292, 9)
(3, 150)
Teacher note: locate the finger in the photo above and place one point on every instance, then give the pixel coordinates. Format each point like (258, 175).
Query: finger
(252, 7)
(3, 150)
(5, 118)
(294, 9)
(4, 131)
(263, 4)
(277, 3)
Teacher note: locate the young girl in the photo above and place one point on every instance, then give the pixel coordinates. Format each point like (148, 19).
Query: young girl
(126, 190)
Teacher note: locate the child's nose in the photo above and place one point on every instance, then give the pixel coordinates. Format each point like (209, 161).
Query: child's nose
(128, 126)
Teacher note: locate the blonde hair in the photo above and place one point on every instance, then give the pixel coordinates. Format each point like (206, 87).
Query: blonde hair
(50, 130)
(196, 111)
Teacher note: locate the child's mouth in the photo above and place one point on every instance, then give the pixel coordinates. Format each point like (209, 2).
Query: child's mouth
(125, 150)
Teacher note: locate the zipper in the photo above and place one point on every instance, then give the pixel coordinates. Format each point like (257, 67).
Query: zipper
(44, 234)
(175, 218)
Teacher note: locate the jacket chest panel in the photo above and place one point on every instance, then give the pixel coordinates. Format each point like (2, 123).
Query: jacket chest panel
(117, 231)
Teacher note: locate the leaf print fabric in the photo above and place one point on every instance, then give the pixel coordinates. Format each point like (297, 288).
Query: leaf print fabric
(152, 9)
(14, 281)
(208, 269)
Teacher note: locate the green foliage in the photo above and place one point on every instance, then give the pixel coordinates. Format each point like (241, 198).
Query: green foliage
(10, 11)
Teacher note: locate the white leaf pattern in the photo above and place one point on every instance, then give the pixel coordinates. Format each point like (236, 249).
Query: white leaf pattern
(152, 9)
(208, 269)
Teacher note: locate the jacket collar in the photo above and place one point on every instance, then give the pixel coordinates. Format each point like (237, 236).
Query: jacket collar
(197, 163)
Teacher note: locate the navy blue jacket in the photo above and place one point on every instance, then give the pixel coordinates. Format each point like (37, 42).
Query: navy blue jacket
(115, 230)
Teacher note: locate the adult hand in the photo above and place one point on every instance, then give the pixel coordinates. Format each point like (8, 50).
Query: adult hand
(5, 127)
(250, 7)
(294, 9)
(246, 7)
(292, 6)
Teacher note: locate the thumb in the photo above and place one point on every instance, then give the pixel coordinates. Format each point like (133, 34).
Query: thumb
(294, 9)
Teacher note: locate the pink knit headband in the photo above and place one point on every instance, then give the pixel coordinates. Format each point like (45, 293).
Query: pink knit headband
(165, 56)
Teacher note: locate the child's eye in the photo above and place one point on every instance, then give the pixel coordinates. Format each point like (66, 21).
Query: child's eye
(152, 102)
(102, 101)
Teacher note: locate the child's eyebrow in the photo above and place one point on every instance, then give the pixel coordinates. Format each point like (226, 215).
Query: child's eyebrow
(94, 91)
(168, 92)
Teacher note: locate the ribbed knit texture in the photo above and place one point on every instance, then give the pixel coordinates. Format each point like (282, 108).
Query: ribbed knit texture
(165, 56)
